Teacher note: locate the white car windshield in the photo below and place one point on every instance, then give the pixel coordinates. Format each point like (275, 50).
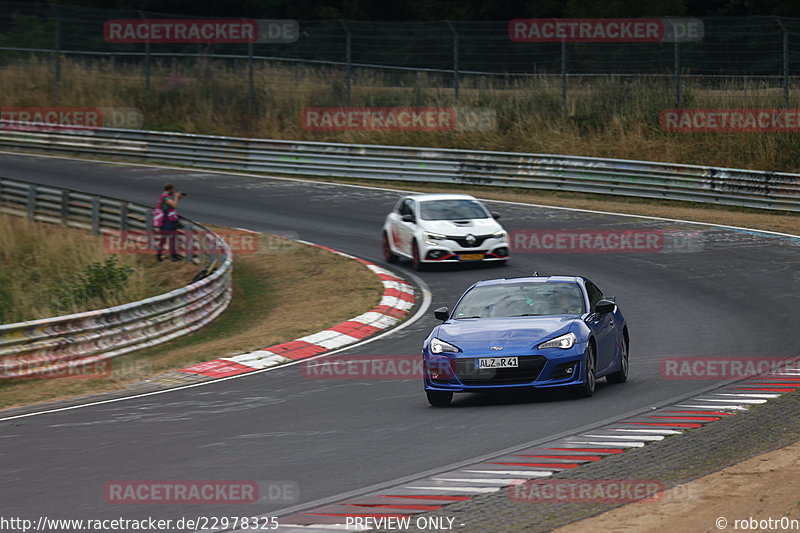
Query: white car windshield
(521, 299)
(452, 210)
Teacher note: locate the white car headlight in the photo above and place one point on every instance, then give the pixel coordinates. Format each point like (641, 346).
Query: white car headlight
(564, 342)
(439, 346)
(431, 238)
(502, 235)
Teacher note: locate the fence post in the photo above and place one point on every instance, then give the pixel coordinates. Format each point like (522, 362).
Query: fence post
(146, 60)
(57, 46)
(563, 76)
(785, 62)
(455, 58)
(677, 74)
(348, 59)
(250, 86)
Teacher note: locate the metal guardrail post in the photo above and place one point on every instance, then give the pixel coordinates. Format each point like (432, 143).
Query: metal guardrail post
(123, 216)
(64, 207)
(95, 216)
(31, 207)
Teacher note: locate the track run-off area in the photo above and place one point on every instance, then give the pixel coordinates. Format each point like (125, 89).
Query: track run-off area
(732, 293)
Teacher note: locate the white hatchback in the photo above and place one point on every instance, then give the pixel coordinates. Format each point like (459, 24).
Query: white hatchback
(443, 228)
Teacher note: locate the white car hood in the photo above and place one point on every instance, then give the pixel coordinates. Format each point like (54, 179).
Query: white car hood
(480, 226)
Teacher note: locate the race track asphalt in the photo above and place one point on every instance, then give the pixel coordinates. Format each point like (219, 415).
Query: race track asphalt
(733, 293)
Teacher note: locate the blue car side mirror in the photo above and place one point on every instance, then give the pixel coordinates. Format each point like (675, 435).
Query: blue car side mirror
(604, 306)
(443, 313)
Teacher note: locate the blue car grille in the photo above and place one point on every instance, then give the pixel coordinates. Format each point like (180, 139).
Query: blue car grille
(527, 372)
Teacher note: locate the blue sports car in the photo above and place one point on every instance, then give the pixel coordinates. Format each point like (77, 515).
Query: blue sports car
(536, 332)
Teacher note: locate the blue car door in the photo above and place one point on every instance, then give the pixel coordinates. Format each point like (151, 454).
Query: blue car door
(603, 327)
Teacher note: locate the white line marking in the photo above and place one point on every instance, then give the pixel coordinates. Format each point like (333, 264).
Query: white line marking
(750, 395)
(503, 482)
(475, 490)
(613, 444)
(715, 407)
(628, 437)
(521, 473)
(743, 401)
(657, 431)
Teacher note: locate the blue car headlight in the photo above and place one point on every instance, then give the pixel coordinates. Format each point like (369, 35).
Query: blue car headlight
(439, 346)
(565, 342)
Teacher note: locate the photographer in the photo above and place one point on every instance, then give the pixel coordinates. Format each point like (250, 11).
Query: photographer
(165, 219)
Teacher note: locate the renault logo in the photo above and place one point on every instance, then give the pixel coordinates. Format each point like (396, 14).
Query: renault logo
(471, 240)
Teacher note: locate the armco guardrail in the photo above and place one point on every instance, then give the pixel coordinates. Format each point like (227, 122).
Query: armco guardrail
(747, 188)
(54, 346)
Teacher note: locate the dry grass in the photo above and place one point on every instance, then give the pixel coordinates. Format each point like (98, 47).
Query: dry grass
(605, 117)
(277, 298)
(39, 260)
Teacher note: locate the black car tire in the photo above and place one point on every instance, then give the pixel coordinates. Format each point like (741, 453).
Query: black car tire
(621, 376)
(416, 262)
(438, 398)
(388, 255)
(589, 374)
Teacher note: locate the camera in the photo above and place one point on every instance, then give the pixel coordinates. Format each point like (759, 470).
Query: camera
(181, 194)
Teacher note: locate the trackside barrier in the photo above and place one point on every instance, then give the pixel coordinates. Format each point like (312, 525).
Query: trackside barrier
(55, 345)
(643, 179)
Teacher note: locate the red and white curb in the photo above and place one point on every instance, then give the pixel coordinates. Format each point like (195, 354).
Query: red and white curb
(513, 469)
(398, 299)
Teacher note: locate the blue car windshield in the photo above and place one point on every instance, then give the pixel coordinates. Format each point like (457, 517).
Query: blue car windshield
(451, 210)
(521, 299)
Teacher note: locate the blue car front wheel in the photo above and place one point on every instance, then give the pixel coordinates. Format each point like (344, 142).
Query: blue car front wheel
(586, 389)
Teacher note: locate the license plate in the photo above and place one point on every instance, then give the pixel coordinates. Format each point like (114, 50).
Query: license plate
(498, 362)
(471, 257)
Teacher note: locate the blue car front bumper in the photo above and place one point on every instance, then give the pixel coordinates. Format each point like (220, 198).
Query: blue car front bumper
(544, 369)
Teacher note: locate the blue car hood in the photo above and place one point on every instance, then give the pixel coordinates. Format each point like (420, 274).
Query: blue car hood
(512, 334)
